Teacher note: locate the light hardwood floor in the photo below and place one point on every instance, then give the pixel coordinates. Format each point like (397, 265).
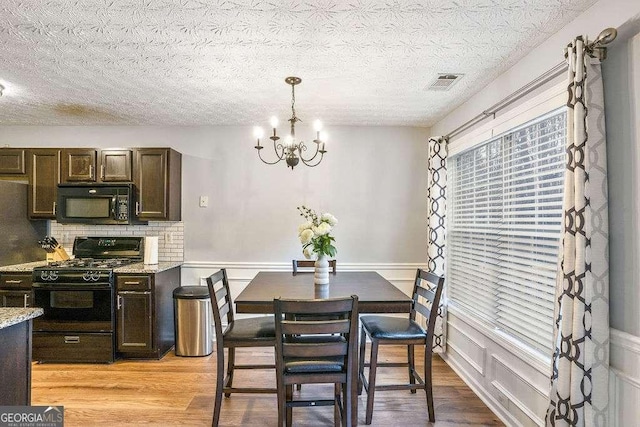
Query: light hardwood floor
(179, 391)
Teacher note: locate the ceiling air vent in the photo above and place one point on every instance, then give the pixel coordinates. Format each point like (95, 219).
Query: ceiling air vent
(444, 82)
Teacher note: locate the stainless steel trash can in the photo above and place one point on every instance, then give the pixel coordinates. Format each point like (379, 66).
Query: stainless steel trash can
(193, 320)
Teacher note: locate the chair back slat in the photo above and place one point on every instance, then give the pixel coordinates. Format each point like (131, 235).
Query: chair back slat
(327, 307)
(317, 349)
(340, 326)
(224, 310)
(422, 309)
(425, 293)
(220, 293)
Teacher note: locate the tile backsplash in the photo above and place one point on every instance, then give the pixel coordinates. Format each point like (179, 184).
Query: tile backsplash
(170, 242)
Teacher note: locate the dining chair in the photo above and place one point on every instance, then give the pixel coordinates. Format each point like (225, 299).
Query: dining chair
(250, 332)
(312, 350)
(305, 263)
(387, 330)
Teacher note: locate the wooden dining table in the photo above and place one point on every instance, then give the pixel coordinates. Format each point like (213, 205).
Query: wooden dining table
(375, 295)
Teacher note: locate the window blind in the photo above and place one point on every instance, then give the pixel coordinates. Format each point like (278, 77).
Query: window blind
(504, 227)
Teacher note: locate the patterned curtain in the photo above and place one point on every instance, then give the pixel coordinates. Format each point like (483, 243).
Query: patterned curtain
(579, 381)
(437, 198)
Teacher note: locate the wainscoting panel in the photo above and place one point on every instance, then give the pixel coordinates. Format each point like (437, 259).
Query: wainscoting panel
(624, 379)
(511, 379)
(467, 347)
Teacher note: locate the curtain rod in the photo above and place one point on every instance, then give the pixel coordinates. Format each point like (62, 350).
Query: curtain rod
(505, 102)
(594, 49)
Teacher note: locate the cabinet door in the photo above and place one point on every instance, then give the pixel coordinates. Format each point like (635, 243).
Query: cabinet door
(12, 161)
(152, 182)
(15, 298)
(79, 165)
(44, 177)
(134, 321)
(115, 165)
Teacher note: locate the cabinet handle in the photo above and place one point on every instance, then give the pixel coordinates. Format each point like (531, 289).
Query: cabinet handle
(102, 172)
(26, 300)
(135, 293)
(14, 282)
(54, 208)
(69, 339)
(119, 302)
(91, 171)
(137, 208)
(131, 283)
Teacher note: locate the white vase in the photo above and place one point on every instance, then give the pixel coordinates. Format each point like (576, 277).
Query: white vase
(321, 274)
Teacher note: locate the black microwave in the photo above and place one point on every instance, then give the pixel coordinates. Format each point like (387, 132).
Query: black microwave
(96, 204)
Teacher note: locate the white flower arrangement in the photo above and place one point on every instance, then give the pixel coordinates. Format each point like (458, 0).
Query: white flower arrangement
(314, 233)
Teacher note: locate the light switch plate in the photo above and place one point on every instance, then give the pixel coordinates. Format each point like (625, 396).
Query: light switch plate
(204, 201)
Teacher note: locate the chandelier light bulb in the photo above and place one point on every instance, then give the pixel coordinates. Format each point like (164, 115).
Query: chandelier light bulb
(273, 122)
(258, 132)
(324, 136)
(288, 140)
(317, 125)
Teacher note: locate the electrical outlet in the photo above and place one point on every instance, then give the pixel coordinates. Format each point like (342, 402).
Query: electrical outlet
(168, 237)
(204, 201)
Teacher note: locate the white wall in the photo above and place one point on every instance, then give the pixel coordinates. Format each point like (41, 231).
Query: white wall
(373, 179)
(510, 379)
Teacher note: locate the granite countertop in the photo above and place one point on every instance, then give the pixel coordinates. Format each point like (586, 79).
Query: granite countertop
(140, 268)
(11, 316)
(26, 267)
(137, 268)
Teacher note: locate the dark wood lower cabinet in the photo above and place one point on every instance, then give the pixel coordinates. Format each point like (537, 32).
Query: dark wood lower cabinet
(144, 314)
(135, 321)
(15, 364)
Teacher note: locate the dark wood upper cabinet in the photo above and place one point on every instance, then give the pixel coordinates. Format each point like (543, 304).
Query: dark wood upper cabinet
(158, 180)
(79, 164)
(13, 161)
(115, 165)
(44, 177)
(92, 165)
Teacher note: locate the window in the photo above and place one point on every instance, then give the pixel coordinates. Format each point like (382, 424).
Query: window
(504, 227)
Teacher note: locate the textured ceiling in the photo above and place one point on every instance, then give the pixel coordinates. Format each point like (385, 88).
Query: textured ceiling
(211, 62)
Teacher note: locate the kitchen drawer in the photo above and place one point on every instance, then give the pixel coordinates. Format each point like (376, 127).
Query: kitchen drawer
(133, 283)
(15, 281)
(73, 347)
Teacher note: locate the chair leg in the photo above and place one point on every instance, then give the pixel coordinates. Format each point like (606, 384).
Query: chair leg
(412, 365)
(427, 384)
(219, 385)
(336, 405)
(289, 395)
(373, 364)
(347, 402)
(231, 363)
(282, 400)
(363, 345)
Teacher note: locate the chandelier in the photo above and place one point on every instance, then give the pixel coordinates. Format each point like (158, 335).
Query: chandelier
(290, 150)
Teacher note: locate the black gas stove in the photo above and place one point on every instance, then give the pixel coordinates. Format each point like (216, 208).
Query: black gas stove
(78, 300)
